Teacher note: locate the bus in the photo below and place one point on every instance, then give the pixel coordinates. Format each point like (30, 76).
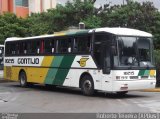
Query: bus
(106, 59)
(1, 57)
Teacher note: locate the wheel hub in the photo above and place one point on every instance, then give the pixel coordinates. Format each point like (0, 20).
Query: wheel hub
(87, 85)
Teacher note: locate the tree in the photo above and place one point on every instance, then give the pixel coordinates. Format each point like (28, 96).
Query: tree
(11, 26)
(143, 16)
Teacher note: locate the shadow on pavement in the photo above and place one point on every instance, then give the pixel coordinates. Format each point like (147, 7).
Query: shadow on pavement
(76, 91)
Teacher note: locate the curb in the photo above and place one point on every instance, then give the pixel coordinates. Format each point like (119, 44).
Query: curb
(4, 81)
(152, 90)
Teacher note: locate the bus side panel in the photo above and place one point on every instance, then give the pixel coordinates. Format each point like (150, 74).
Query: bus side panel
(7, 72)
(11, 73)
(15, 73)
(82, 64)
(74, 75)
(36, 75)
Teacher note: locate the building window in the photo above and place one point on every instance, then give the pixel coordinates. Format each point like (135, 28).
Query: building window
(23, 3)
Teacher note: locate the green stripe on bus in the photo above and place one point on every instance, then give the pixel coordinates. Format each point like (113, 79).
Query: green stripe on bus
(82, 32)
(146, 72)
(78, 32)
(53, 71)
(51, 76)
(141, 73)
(65, 67)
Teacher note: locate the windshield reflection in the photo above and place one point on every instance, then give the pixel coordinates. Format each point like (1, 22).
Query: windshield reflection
(133, 51)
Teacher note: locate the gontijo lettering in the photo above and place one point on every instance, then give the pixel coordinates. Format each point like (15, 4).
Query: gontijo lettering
(28, 61)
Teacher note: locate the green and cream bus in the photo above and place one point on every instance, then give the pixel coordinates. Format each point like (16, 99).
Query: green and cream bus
(1, 57)
(105, 59)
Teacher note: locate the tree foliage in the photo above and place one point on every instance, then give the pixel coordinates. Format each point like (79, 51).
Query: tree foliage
(11, 26)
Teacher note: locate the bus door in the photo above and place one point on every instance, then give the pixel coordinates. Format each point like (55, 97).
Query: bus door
(102, 58)
(106, 67)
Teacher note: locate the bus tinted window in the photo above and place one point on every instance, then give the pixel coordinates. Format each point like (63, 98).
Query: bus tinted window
(64, 45)
(33, 47)
(82, 44)
(8, 48)
(17, 48)
(29, 50)
(24, 45)
(13, 49)
(101, 43)
(49, 46)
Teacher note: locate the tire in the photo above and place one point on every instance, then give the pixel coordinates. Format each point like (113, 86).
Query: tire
(122, 93)
(23, 79)
(87, 85)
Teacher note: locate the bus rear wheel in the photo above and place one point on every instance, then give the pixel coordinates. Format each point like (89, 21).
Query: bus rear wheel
(23, 79)
(87, 85)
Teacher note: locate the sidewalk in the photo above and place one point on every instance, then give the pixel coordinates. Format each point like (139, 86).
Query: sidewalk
(3, 81)
(152, 90)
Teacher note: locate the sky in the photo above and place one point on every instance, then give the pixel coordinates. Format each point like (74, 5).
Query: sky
(101, 2)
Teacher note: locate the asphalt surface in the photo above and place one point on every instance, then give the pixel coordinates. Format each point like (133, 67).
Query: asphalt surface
(39, 99)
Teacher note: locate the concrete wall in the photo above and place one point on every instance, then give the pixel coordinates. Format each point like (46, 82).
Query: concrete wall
(22, 11)
(37, 6)
(10, 6)
(3, 6)
(34, 6)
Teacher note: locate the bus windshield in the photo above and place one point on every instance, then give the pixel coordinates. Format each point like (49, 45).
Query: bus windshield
(134, 51)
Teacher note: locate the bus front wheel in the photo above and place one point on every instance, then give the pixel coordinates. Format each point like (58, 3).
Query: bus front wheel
(23, 79)
(87, 85)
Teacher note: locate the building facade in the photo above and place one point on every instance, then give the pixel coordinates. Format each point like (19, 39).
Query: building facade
(23, 8)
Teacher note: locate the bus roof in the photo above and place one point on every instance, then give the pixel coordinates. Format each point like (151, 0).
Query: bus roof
(124, 31)
(116, 31)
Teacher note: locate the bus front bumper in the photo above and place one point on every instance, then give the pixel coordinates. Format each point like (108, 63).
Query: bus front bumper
(133, 85)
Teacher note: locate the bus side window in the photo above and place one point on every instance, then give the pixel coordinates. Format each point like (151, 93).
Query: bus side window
(69, 45)
(62, 46)
(21, 47)
(35, 45)
(52, 46)
(41, 48)
(28, 47)
(65, 45)
(8, 50)
(49, 46)
(82, 44)
(101, 43)
(17, 48)
(25, 47)
(38, 43)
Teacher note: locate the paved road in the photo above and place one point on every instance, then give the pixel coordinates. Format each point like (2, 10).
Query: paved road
(40, 99)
